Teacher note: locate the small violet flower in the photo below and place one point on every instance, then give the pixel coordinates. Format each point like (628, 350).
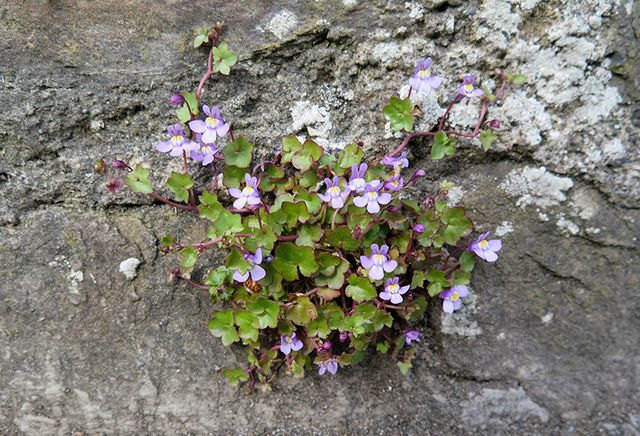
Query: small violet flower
(357, 183)
(412, 336)
(467, 89)
(249, 194)
(205, 152)
(211, 127)
(394, 184)
(177, 144)
(257, 272)
(334, 195)
(290, 343)
(372, 199)
(393, 292)
(114, 185)
(396, 162)
(452, 297)
(378, 262)
(330, 365)
(422, 80)
(486, 249)
(418, 228)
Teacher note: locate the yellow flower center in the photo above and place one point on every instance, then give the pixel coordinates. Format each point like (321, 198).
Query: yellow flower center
(484, 244)
(334, 191)
(454, 296)
(212, 122)
(424, 73)
(247, 190)
(394, 183)
(468, 87)
(372, 195)
(378, 259)
(205, 149)
(177, 139)
(393, 288)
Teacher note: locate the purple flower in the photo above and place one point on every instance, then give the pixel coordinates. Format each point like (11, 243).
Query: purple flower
(334, 194)
(452, 297)
(176, 99)
(212, 126)
(393, 292)
(412, 336)
(422, 80)
(120, 165)
(177, 144)
(396, 162)
(249, 194)
(467, 89)
(372, 199)
(257, 272)
(486, 249)
(357, 182)
(417, 229)
(205, 152)
(114, 185)
(494, 124)
(378, 262)
(394, 184)
(290, 343)
(330, 365)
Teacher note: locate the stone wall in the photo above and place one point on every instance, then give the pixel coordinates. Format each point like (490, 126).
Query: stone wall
(547, 345)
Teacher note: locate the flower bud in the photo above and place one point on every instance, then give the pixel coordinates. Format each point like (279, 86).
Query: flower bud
(327, 345)
(176, 99)
(119, 165)
(494, 124)
(418, 228)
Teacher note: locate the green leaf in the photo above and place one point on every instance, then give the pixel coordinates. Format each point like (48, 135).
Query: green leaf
(289, 258)
(442, 146)
(223, 59)
(341, 237)
(235, 376)
(238, 152)
(382, 347)
(309, 179)
(199, 40)
(290, 146)
(183, 114)
(457, 225)
(350, 155)
(381, 319)
(467, 261)
(221, 326)
(302, 312)
(405, 366)
(267, 312)
(398, 112)
(248, 325)
(138, 180)
(216, 278)
(309, 234)
(191, 100)
(270, 177)
(319, 327)
(189, 256)
(209, 207)
(414, 311)
(360, 289)
(226, 224)
(517, 79)
(487, 137)
(236, 261)
(417, 281)
(233, 176)
(304, 158)
(332, 272)
(179, 184)
(312, 201)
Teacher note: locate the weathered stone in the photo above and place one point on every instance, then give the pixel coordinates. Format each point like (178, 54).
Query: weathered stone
(548, 344)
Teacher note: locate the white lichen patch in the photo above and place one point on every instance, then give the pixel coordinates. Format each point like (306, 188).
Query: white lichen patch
(526, 119)
(416, 10)
(546, 319)
(316, 119)
(129, 267)
(497, 407)
(454, 196)
(504, 228)
(536, 186)
(282, 24)
(567, 226)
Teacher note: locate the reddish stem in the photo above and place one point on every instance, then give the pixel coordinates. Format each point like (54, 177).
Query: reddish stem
(176, 205)
(446, 113)
(208, 74)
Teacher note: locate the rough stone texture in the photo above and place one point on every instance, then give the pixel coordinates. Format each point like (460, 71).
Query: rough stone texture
(549, 344)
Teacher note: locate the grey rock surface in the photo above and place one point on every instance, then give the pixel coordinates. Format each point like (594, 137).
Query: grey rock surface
(550, 342)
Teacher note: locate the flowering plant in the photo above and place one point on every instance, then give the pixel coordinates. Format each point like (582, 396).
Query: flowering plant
(327, 256)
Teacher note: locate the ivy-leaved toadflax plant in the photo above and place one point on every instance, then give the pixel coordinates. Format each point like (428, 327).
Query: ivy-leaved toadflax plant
(327, 254)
